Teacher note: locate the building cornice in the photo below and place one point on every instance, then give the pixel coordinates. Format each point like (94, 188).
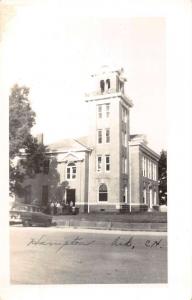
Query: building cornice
(67, 150)
(144, 148)
(109, 96)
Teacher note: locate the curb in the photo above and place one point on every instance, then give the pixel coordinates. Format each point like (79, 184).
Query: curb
(104, 225)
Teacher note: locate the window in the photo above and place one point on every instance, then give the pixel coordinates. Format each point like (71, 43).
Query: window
(108, 83)
(46, 166)
(148, 168)
(125, 140)
(155, 198)
(103, 192)
(71, 171)
(99, 163)
(143, 166)
(125, 195)
(124, 114)
(125, 165)
(144, 196)
(102, 86)
(154, 172)
(107, 135)
(99, 111)
(107, 162)
(99, 136)
(107, 110)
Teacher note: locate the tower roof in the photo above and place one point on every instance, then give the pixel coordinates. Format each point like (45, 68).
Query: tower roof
(105, 69)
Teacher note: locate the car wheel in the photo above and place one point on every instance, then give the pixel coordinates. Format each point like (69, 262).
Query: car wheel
(26, 223)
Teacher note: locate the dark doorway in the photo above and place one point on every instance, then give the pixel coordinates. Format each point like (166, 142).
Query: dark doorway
(71, 196)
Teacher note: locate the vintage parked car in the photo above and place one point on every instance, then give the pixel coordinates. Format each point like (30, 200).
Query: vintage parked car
(29, 215)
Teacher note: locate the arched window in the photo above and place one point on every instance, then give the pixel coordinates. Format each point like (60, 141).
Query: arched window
(108, 83)
(71, 171)
(102, 86)
(103, 192)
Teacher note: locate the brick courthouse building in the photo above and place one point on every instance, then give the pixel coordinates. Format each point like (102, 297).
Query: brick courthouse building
(108, 170)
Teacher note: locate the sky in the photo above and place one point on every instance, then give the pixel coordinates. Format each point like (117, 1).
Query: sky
(54, 55)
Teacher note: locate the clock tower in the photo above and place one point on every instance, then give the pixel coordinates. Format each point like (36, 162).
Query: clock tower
(108, 138)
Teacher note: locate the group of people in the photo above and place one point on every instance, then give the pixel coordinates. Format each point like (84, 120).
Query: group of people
(57, 208)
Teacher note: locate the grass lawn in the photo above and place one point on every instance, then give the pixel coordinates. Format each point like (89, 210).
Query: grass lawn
(140, 217)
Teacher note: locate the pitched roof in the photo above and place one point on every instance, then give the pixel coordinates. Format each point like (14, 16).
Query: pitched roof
(69, 144)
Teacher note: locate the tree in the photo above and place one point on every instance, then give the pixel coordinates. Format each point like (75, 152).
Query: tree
(26, 155)
(163, 178)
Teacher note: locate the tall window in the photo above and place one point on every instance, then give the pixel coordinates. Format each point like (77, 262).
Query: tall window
(124, 138)
(103, 192)
(155, 198)
(99, 111)
(71, 171)
(102, 86)
(124, 114)
(154, 172)
(99, 163)
(99, 136)
(143, 166)
(107, 132)
(148, 168)
(108, 83)
(125, 194)
(107, 110)
(107, 163)
(125, 165)
(144, 196)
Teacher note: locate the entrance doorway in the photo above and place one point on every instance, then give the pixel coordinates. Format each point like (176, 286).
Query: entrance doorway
(71, 197)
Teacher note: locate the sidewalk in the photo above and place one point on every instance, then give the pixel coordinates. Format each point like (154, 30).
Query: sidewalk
(112, 223)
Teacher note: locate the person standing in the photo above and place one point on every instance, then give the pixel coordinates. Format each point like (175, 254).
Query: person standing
(52, 208)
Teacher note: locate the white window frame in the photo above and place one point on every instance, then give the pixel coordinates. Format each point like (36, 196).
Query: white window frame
(154, 197)
(125, 191)
(107, 136)
(104, 192)
(107, 163)
(145, 195)
(99, 111)
(125, 162)
(143, 166)
(124, 114)
(148, 169)
(99, 163)
(72, 175)
(107, 110)
(125, 139)
(99, 135)
(155, 173)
